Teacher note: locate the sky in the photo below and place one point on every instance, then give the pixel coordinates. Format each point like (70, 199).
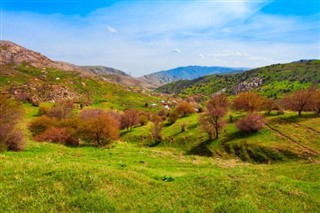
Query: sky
(141, 37)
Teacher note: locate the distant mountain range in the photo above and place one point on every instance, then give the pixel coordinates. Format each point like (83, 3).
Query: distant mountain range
(163, 77)
(271, 81)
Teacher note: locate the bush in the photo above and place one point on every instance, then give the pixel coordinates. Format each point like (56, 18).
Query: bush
(11, 137)
(43, 110)
(53, 134)
(98, 126)
(129, 119)
(253, 122)
(173, 117)
(247, 101)
(185, 108)
(41, 124)
(61, 110)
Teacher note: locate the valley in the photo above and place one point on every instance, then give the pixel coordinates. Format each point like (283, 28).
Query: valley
(95, 139)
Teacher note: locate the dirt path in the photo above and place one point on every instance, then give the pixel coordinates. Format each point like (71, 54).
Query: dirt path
(304, 126)
(292, 140)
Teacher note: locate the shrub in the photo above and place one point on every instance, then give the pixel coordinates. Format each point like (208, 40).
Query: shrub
(41, 124)
(173, 117)
(129, 119)
(43, 110)
(98, 126)
(185, 108)
(11, 137)
(253, 122)
(53, 134)
(156, 132)
(247, 101)
(61, 110)
(143, 119)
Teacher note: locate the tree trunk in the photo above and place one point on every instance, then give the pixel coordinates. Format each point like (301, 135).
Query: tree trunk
(300, 112)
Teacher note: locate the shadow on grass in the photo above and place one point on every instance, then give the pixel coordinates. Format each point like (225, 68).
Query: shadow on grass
(201, 149)
(292, 118)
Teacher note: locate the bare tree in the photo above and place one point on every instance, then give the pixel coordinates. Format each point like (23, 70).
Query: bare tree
(299, 101)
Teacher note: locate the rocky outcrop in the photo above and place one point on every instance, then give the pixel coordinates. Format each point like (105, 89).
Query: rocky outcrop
(248, 85)
(36, 92)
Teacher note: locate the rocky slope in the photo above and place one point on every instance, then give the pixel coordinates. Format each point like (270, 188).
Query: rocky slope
(33, 77)
(14, 56)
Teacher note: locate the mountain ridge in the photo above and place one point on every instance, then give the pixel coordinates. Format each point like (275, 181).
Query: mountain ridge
(186, 73)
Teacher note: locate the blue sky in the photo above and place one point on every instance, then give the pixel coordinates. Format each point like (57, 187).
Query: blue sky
(141, 37)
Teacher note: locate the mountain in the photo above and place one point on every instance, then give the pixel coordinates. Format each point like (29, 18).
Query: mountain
(33, 77)
(102, 70)
(186, 73)
(117, 76)
(13, 54)
(271, 80)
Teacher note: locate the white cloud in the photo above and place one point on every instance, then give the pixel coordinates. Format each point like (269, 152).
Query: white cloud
(230, 33)
(111, 29)
(176, 50)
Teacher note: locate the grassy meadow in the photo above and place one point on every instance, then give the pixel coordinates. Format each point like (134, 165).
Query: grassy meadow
(275, 170)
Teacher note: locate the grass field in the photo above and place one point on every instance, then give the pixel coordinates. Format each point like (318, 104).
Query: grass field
(131, 177)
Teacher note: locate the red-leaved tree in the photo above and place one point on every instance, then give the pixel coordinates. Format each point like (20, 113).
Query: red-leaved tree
(211, 120)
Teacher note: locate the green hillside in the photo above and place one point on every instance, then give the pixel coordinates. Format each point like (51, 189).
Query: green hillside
(275, 80)
(51, 84)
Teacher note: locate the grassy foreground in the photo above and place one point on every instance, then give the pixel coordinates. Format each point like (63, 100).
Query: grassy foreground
(129, 178)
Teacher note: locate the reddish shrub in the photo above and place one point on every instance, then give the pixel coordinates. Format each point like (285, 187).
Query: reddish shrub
(41, 124)
(129, 119)
(11, 137)
(53, 134)
(98, 126)
(43, 110)
(247, 101)
(185, 108)
(253, 122)
(61, 110)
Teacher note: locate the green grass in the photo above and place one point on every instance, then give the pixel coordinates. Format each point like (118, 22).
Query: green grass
(128, 178)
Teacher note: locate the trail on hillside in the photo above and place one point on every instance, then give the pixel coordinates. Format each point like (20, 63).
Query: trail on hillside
(292, 140)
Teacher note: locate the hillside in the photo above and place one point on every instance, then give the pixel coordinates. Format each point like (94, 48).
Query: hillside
(31, 76)
(53, 177)
(186, 73)
(271, 80)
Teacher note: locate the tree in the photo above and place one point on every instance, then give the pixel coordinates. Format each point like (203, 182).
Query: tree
(317, 102)
(268, 105)
(253, 122)
(11, 114)
(185, 108)
(210, 121)
(247, 101)
(98, 126)
(299, 101)
(129, 119)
